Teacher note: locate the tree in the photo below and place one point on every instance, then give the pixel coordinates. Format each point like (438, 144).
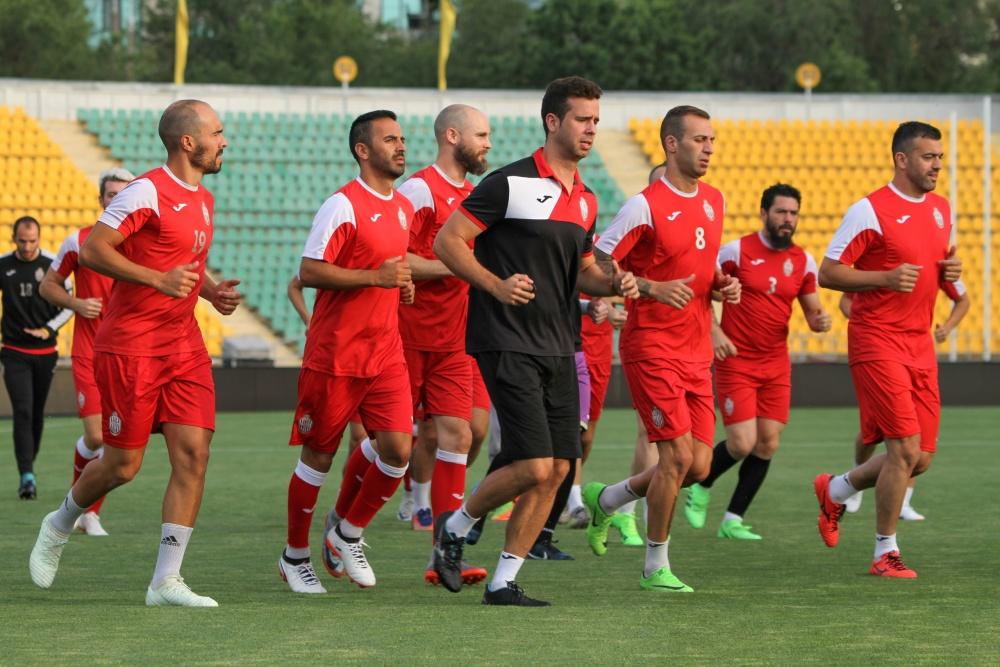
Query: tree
(45, 39)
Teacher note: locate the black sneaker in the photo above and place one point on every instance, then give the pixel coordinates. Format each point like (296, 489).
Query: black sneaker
(447, 554)
(513, 595)
(544, 549)
(477, 530)
(27, 490)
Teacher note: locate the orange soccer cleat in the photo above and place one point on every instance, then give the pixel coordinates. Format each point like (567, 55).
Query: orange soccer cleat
(891, 565)
(470, 575)
(829, 511)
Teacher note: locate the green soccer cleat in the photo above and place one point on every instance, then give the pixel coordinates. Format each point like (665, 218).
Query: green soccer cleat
(597, 529)
(697, 505)
(664, 580)
(625, 524)
(734, 529)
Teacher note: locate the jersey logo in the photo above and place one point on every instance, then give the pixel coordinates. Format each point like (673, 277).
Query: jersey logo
(756, 262)
(584, 210)
(402, 218)
(450, 200)
(114, 423)
(543, 199)
(39, 274)
(305, 424)
(11, 272)
(657, 416)
(709, 211)
(902, 219)
(787, 267)
(728, 406)
(178, 207)
(81, 400)
(204, 213)
(376, 217)
(938, 218)
(673, 216)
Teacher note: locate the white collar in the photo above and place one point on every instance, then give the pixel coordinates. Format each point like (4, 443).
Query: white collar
(367, 187)
(899, 192)
(186, 186)
(446, 177)
(689, 195)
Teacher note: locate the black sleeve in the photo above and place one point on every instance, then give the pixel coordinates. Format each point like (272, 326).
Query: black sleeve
(487, 203)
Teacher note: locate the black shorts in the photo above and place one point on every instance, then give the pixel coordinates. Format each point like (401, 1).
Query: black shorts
(537, 401)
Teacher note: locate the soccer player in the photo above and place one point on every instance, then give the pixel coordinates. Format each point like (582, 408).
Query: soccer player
(753, 373)
(151, 366)
(433, 327)
(892, 249)
(533, 225)
(353, 360)
(29, 326)
(862, 451)
(92, 292)
(669, 236)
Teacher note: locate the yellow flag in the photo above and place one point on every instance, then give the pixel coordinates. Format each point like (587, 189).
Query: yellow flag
(444, 46)
(181, 42)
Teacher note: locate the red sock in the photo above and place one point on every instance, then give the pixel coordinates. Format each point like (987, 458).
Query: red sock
(381, 481)
(448, 482)
(354, 473)
(79, 463)
(302, 497)
(96, 507)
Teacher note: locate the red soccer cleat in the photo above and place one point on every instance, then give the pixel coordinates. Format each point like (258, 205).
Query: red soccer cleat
(891, 565)
(829, 511)
(470, 575)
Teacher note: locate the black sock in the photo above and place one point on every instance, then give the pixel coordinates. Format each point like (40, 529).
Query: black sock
(722, 461)
(562, 495)
(350, 540)
(293, 561)
(752, 474)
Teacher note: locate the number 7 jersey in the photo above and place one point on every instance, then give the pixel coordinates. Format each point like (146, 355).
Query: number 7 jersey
(664, 234)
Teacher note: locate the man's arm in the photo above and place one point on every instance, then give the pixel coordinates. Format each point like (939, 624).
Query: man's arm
(426, 269)
(834, 275)
(298, 299)
(223, 295)
(600, 276)
(99, 253)
(323, 275)
(451, 245)
(54, 290)
(958, 311)
(818, 319)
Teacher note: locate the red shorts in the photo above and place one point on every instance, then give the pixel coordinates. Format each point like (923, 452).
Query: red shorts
(356, 419)
(441, 382)
(600, 376)
(327, 402)
(88, 397)
(673, 397)
(896, 401)
(480, 395)
(748, 392)
(140, 394)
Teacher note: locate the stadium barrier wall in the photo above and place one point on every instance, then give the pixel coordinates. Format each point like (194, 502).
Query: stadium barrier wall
(813, 385)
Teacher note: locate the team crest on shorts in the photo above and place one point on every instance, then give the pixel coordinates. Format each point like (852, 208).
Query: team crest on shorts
(402, 218)
(657, 416)
(305, 424)
(584, 209)
(709, 211)
(39, 274)
(81, 400)
(787, 267)
(204, 212)
(938, 218)
(728, 406)
(114, 423)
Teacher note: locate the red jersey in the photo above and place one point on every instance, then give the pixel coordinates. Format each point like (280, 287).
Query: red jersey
(664, 234)
(89, 285)
(772, 280)
(878, 233)
(166, 223)
(355, 332)
(596, 339)
(435, 322)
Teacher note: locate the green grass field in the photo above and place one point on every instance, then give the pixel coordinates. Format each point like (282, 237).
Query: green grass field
(785, 600)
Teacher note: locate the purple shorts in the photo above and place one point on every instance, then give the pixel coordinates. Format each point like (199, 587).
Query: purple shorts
(583, 379)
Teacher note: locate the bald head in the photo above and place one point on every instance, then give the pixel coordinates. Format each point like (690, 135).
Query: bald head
(183, 117)
(455, 116)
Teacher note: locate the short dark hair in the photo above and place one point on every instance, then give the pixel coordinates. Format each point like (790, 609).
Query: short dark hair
(673, 122)
(902, 138)
(779, 190)
(557, 94)
(179, 119)
(361, 129)
(25, 220)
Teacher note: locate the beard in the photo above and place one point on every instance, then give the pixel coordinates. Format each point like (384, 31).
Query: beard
(201, 160)
(386, 166)
(777, 239)
(470, 161)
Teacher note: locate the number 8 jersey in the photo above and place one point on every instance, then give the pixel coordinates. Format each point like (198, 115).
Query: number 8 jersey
(166, 223)
(664, 234)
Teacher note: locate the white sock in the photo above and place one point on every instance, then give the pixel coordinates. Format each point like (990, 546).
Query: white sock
(368, 450)
(656, 556)
(616, 495)
(841, 489)
(297, 552)
(86, 452)
(628, 508)
(729, 516)
(907, 496)
(309, 475)
(645, 514)
(884, 544)
(67, 514)
(461, 522)
(507, 569)
(173, 543)
(349, 530)
(421, 494)
(575, 497)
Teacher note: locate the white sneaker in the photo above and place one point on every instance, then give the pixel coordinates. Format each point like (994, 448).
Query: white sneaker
(352, 556)
(578, 517)
(173, 591)
(301, 578)
(853, 504)
(44, 560)
(405, 512)
(90, 524)
(907, 513)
